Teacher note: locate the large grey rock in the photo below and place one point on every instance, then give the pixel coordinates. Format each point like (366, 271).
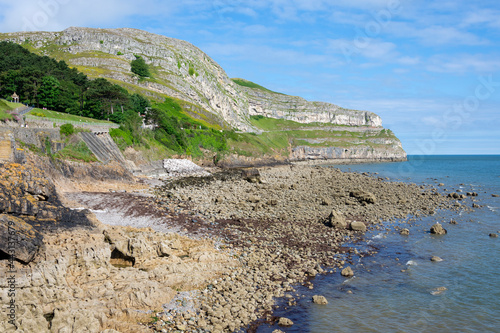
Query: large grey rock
(285, 322)
(363, 196)
(318, 299)
(358, 226)
(438, 229)
(19, 239)
(347, 272)
(336, 220)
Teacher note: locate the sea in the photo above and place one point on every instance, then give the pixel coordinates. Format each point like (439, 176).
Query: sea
(399, 289)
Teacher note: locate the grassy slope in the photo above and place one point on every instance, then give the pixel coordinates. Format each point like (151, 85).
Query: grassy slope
(6, 106)
(49, 115)
(250, 84)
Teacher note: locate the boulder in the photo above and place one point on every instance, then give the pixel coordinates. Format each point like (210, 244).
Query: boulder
(336, 220)
(438, 229)
(405, 232)
(285, 322)
(27, 240)
(493, 235)
(358, 226)
(321, 300)
(436, 258)
(347, 272)
(251, 175)
(363, 196)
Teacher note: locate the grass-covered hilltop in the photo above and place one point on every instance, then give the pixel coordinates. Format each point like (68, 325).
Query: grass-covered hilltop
(168, 95)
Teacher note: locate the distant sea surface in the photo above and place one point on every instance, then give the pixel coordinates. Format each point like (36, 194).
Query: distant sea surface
(400, 289)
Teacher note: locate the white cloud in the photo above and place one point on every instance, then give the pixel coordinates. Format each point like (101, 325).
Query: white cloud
(436, 34)
(486, 17)
(459, 64)
(268, 55)
(367, 47)
(55, 15)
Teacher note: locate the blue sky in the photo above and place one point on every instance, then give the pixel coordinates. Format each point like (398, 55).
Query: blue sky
(430, 70)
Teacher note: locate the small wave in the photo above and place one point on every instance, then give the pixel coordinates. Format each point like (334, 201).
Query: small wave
(379, 236)
(493, 209)
(411, 263)
(78, 208)
(98, 211)
(349, 279)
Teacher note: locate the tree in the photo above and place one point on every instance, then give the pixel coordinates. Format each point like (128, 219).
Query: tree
(139, 67)
(48, 92)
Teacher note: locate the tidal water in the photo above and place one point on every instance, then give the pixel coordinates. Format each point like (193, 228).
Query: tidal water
(400, 289)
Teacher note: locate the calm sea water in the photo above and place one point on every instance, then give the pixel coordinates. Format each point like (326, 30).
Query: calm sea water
(382, 298)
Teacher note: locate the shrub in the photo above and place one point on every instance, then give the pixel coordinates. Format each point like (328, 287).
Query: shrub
(139, 67)
(119, 53)
(67, 129)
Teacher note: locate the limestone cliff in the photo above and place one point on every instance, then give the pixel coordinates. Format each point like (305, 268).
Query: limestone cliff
(181, 70)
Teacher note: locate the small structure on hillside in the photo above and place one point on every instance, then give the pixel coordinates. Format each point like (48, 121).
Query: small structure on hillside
(15, 98)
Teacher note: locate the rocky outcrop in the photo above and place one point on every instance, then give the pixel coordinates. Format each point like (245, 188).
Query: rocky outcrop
(274, 105)
(73, 274)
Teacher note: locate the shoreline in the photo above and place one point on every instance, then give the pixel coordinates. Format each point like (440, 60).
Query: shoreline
(273, 232)
(252, 245)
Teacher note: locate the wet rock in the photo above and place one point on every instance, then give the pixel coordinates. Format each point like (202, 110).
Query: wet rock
(495, 195)
(363, 196)
(438, 229)
(278, 331)
(438, 290)
(493, 235)
(285, 322)
(317, 299)
(336, 220)
(436, 258)
(452, 221)
(347, 272)
(475, 205)
(25, 240)
(358, 226)
(405, 232)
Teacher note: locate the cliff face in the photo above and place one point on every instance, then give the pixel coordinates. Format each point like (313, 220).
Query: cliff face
(183, 71)
(297, 109)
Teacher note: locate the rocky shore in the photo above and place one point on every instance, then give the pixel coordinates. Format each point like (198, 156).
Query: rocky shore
(212, 253)
(285, 225)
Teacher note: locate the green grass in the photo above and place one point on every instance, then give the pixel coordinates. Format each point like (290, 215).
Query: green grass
(250, 84)
(4, 106)
(48, 115)
(76, 152)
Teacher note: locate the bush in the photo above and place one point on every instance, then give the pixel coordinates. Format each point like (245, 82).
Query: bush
(139, 67)
(67, 129)
(122, 138)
